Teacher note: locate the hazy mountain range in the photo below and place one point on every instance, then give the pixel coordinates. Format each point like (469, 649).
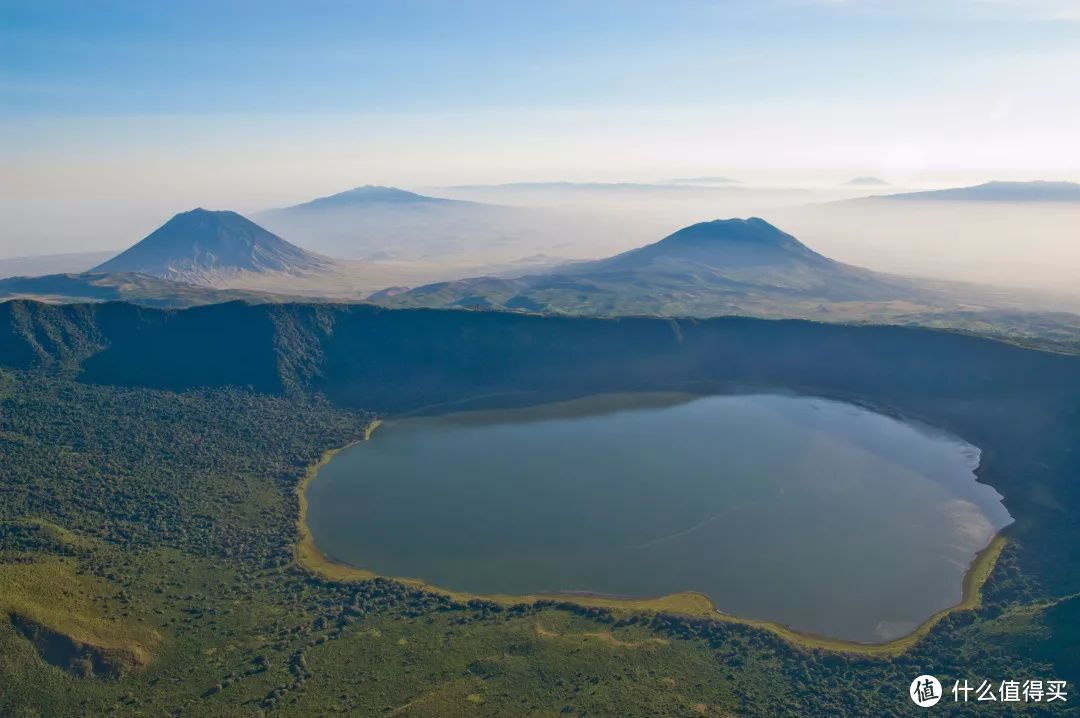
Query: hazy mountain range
(675, 185)
(537, 224)
(36, 265)
(1037, 191)
(702, 269)
(866, 182)
(366, 196)
(1019, 235)
(708, 179)
(722, 267)
(389, 224)
(745, 267)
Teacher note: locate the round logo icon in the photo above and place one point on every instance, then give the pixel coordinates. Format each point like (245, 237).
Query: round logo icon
(925, 691)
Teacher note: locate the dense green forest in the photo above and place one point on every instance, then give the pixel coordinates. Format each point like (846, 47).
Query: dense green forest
(148, 468)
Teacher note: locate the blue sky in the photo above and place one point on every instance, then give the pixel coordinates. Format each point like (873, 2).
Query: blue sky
(250, 104)
(150, 58)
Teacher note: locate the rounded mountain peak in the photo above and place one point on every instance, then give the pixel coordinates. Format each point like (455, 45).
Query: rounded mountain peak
(367, 195)
(752, 230)
(720, 242)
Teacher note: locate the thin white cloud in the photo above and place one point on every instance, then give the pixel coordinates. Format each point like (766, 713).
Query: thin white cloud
(1032, 10)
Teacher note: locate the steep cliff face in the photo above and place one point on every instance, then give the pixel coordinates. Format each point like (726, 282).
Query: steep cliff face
(38, 335)
(399, 359)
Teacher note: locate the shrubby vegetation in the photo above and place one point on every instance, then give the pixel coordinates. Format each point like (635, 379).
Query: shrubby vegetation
(147, 529)
(174, 514)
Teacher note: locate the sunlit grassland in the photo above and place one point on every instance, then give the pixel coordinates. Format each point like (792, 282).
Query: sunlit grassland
(47, 593)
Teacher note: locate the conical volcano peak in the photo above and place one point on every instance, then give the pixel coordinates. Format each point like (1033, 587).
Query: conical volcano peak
(200, 245)
(202, 212)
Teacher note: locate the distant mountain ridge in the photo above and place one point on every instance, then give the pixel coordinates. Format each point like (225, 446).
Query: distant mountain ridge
(204, 247)
(1036, 191)
(38, 265)
(367, 195)
(709, 179)
(679, 186)
(380, 223)
(743, 267)
(866, 182)
(701, 270)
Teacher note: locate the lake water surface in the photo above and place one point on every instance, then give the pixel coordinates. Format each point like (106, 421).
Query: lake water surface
(821, 515)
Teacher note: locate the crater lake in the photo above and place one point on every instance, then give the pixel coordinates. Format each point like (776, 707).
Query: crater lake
(821, 515)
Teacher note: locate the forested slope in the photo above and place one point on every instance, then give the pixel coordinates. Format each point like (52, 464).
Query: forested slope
(151, 456)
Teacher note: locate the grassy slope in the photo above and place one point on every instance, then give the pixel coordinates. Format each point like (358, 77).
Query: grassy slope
(48, 593)
(201, 557)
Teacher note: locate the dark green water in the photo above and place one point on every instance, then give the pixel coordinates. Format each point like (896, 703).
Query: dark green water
(821, 515)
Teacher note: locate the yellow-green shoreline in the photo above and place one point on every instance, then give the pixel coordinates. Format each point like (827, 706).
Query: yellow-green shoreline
(688, 603)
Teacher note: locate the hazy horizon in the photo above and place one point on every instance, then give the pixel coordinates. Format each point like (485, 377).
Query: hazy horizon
(116, 117)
